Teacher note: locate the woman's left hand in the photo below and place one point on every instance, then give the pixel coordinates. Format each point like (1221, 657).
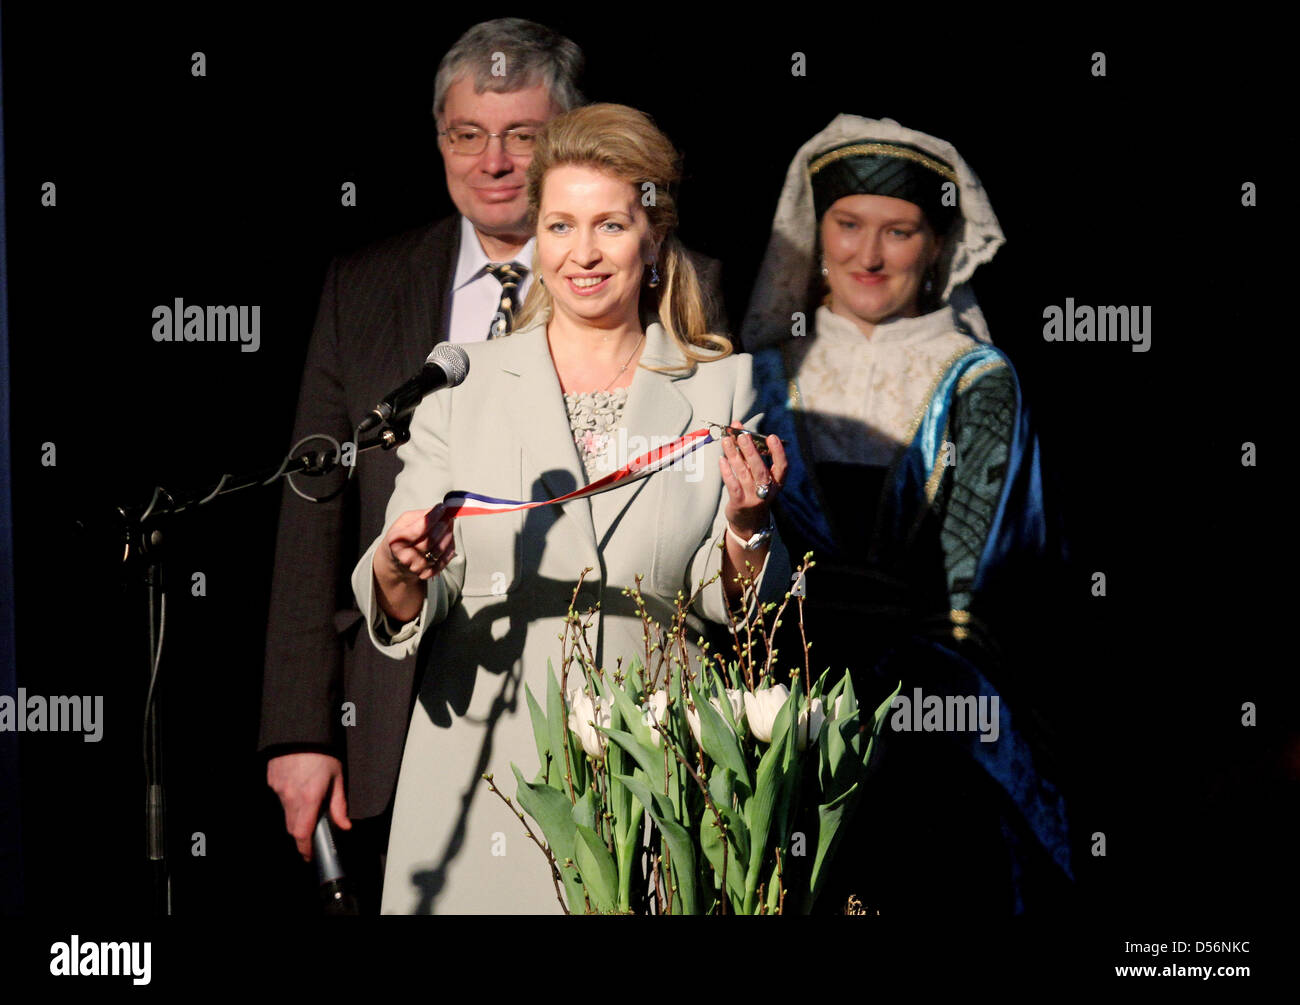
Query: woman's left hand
(744, 472)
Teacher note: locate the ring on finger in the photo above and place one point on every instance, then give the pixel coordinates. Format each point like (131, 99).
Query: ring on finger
(762, 490)
(430, 557)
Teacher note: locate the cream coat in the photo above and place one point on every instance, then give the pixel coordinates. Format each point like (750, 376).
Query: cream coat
(492, 619)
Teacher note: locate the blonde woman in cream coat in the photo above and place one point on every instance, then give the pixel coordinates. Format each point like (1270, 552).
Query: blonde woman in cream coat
(613, 331)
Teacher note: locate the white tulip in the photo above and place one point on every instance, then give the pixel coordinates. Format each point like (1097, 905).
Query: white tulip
(584, 715)
(811, 721)
(693, 720)
(736, 697)
(761, 709)
(656, 710)
(737, 710)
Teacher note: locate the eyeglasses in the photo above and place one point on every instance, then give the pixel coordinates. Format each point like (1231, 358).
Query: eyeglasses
(472, 141)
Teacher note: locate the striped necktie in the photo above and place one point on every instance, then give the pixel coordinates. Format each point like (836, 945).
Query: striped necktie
(503, 321)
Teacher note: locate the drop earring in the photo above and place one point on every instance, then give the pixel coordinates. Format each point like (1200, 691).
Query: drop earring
(825, 271)
(654, 275)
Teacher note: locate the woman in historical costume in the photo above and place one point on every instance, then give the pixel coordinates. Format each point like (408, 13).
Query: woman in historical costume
(611, 358)
(914, 479)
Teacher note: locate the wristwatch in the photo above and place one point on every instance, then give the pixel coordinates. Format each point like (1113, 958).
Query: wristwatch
(755, 542)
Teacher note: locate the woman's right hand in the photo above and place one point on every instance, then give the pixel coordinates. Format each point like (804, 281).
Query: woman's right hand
(419, 545)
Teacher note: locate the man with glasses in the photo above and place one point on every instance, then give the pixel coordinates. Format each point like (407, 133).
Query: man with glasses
(381, 312)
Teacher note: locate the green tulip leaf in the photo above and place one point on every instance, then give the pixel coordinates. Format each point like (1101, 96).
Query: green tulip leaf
(554, 814)
(717, 739)
(834, 694)
(830, 816)
(878, 721)
(552, 810)
(557, 723)
(648, 759)
(599, 874)
(632, 719)
(633, 680)
(584, 810)
(737, 853)
(679, 842)
(843, 769)
(759, 809)
(774, 890)
(721, 786)
(720, 692)
(850, 697)
(541, 732)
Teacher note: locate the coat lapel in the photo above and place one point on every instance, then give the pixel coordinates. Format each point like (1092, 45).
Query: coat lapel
(535, 405)
(656, 413)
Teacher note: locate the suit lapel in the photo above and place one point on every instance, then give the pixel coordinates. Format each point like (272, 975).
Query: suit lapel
(535, 405)
(424, 295)
(656, 413)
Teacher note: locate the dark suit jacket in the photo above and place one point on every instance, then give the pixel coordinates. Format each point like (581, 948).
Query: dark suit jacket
(381, 311)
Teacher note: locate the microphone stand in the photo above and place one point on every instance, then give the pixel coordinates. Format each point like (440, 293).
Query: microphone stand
(139, 530)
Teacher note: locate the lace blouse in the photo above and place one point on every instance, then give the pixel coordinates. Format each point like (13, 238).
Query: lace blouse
(595, 418)
(862, 397)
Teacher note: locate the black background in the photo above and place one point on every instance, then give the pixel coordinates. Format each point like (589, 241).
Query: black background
(225, 189)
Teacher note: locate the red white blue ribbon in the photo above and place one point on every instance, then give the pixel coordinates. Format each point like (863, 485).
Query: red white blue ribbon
(460, 504)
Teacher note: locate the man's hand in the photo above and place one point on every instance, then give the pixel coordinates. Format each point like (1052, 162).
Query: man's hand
(302, 782)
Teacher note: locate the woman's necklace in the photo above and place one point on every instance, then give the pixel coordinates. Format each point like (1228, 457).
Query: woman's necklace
(626, 364)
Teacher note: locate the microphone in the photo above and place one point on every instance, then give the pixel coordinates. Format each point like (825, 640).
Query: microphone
(447, 366)
(336, 897)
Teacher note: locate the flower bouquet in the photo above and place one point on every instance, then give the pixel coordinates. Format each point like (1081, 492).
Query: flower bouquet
(679, 786)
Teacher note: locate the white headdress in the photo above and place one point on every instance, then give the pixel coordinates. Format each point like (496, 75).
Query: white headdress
(790, 264)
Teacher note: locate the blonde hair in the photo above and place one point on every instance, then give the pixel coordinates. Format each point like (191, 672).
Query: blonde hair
(625, 143)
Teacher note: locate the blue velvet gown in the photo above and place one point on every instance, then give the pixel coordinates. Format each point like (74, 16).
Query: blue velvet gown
(924, 572)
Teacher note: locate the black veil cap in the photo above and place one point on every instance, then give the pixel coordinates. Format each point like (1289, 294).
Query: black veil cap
(789, 277)
(898, 170)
